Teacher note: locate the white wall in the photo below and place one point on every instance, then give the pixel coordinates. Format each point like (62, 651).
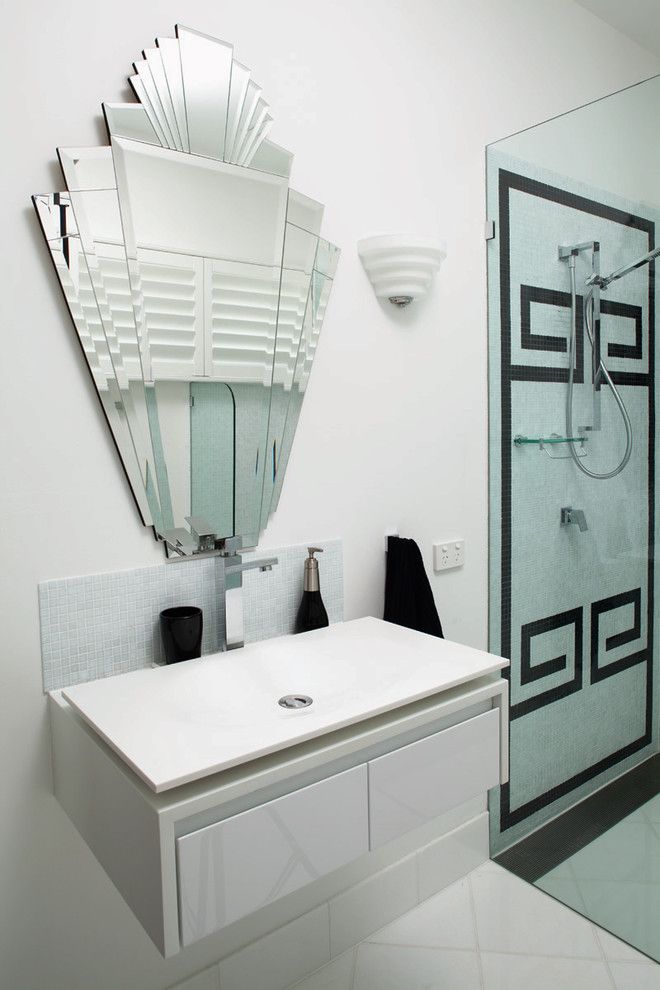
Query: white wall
(388, 106)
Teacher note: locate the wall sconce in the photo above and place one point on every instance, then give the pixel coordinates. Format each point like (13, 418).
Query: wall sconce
(401, 267)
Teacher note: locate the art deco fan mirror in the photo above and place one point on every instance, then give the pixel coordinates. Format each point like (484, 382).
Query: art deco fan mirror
(197, 281)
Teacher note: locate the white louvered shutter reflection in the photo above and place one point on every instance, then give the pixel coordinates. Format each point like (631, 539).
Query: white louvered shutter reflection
(242, 307)
(171, 294)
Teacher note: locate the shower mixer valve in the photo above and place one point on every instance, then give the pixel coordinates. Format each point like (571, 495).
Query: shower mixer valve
(575, 517)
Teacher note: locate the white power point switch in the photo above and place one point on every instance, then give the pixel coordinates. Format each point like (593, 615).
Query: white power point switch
(448, 554)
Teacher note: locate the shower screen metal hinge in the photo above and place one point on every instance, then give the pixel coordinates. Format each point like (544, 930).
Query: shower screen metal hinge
(489, 232)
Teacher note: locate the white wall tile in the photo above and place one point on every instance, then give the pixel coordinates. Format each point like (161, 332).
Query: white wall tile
(98, 625)
(103, 624)
(271, 600)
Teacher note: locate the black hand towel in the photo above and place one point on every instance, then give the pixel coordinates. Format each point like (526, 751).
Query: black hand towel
(408, 596)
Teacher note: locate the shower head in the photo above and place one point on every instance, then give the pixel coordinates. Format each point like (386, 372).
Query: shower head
(602, 281)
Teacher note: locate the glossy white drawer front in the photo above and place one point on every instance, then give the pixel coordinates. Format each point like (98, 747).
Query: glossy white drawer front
(234, 867)
(421, 781)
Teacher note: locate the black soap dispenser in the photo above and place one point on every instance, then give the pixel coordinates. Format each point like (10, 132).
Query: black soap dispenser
(312, 613)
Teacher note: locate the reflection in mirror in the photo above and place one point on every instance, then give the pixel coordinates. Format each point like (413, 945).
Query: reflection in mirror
(298, 262)
(61, 233)
(320, 286)
(197, 283)
(98, 221)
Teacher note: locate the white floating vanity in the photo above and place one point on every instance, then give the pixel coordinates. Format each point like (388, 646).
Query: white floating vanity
(205, 800)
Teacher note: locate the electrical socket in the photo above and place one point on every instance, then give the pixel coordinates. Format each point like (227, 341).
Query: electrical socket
(448, 554)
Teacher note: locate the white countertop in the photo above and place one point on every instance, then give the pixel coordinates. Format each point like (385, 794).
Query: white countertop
(183, 722)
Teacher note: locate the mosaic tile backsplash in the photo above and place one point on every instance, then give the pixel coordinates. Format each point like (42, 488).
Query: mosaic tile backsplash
(104, 624)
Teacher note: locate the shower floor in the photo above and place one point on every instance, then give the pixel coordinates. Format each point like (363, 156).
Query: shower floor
(615, 880)
(602, 858)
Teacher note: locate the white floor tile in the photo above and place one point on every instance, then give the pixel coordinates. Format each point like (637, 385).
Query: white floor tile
(444, 921)
(527, 941)
(502, 972)
(631, 910)
(513, 916)
(617, 950)
(390, 967)
(651, 809)
(490, 867)
(635, 976)
(281, 958)
(629, 851)
(618, 881)
(337, 975)
(208, 980)
(563, 871)
(563, 888)
(636, 816)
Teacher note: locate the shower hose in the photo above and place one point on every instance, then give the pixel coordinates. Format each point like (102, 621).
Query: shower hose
(588, 311)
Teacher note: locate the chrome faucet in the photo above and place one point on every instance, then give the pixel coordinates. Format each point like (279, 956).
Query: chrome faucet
(234, 566)
(575, 517)
(202, 542)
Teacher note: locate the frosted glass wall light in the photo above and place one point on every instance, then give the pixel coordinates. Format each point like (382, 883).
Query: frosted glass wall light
(401, 267)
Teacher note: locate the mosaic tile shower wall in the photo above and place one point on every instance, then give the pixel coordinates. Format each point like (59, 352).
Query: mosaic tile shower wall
(574, 611)
(104, 624)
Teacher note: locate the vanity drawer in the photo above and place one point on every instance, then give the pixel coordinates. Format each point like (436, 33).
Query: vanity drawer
(234, 867)
(421, 781)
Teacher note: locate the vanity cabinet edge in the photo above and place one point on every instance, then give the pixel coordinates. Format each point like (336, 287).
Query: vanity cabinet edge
(114, 817)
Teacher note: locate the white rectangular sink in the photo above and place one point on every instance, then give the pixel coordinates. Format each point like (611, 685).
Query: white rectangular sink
(180, 723)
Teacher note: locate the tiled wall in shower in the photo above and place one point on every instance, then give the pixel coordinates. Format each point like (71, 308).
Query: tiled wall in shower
(103, 624)
(573, 610)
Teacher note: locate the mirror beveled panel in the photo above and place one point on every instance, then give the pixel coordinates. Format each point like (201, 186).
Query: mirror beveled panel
(197, 281)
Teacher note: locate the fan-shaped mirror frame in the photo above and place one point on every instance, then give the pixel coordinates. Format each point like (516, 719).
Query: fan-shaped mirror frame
(197, 282)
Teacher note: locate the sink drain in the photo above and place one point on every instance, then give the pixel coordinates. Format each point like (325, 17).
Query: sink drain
(295, 701)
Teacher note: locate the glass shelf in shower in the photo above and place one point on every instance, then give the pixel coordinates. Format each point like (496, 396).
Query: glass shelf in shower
(554, 445)
(553, 438)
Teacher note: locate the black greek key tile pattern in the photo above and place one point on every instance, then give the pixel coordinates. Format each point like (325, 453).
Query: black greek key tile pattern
(632, 352)
(545, 342)
(566, 660)
(532, 634)
(609, 607)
